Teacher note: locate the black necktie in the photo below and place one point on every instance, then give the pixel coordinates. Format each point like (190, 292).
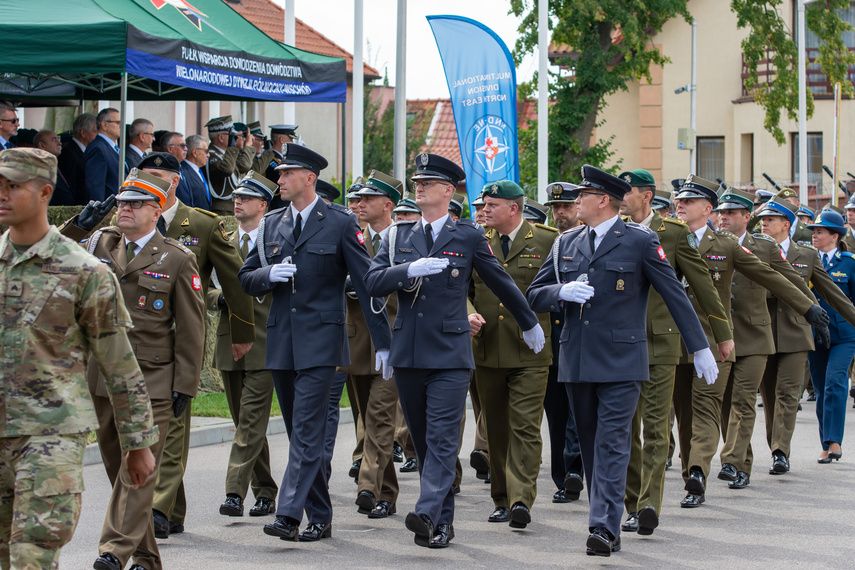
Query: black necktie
(505, 245)
(429, 236)
(298, 227)
(592, 237)
(825, 261)
(161, 226)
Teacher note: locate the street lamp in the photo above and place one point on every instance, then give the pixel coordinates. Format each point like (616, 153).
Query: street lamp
(803, 173)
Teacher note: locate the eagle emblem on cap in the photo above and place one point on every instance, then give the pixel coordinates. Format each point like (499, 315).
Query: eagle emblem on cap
(494, 188)
(628, 178)
(250, 174)
(425, 159)
(557, 189)
(158, 161)
(372, 174)
(134, 173)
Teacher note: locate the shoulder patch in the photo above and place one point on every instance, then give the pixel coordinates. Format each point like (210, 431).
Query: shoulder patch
(212, 214)
(488, 233)
(550, 228)
(763, 237)
(676, 221)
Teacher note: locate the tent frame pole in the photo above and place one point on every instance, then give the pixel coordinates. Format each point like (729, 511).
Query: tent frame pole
(343, 148)
(122, 131)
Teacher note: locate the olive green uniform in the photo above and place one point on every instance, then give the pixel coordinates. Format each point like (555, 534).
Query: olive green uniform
(510, 377)
(645, 479)
(752, 331)
(59, 306)
(223, 171)
(249, 393)
(697, 404)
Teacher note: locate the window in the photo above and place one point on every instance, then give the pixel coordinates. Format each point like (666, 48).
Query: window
(817, 82)
(711, 158)
(814, 158)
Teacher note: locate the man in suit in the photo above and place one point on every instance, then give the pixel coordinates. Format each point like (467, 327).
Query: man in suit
(163, 292)
(696, 404)
(604, 364)
(140, 137)
(302, 258)
(784, 374)
(376, 399)
(193, 189)
(9, 123)
(429, 263)
(247, 382)
(511, 378)
(566, 465)
(645, 478)
(752, 332)
(229, 158)
(101, 157)
(84, 130)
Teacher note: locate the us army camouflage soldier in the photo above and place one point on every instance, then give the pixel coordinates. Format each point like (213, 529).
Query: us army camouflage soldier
(59, 306)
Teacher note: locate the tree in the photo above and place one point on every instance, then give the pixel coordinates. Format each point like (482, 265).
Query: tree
(379, 136)
(611, 45)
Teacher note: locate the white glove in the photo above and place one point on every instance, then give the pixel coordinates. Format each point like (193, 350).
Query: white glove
(282, 272)
(426, 266)
(706, 366)
(575, 292)
(382, 363)
(534, 338)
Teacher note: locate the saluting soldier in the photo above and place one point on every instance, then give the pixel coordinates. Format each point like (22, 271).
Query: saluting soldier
(228, 158)
(247, 382)
(162, 289)
(303, 256)
(697, 404)
(645, 478)
(600, 271)
(280, 135)
(752, 332)
(510, 376)
(429, 263)
(782, 379)
(59, 306)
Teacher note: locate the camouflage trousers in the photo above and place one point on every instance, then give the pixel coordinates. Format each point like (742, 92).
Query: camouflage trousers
(41, 482)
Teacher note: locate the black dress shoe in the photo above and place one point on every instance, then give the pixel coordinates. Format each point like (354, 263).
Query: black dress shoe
(354, 469)
(500, 515)
(176, 528)
(648, 520)
(282, 527)
(835, 455)
(382, 510)
(573, 483)
(811, 397)
(316, 531)
(397, 453)
(742, 479)
(799, 407)
(232, 507)
(443, 535)
(520, 516)
(421, 526)
(409, 466)
(631, 523)
(455, 489)
(161, 525)
(262, 507)
(562, 496)
(668, 464)
(780, 464)
(692, 501)
(365, 501)
(107, 562)
(480, 462)
(696, 484)
(727, 473)
(601, 543)
(823, 460)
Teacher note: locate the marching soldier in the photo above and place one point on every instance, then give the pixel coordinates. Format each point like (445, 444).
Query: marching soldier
(49, 284)
(247, 382)
(280, 135)
(162, 289)
(849, 238)
(511, 378)
(799, 232)
(227, 160)
(407, 210)
(645, 476)
(807, 215)
(535, 212)
(429, 263)
(696, 403)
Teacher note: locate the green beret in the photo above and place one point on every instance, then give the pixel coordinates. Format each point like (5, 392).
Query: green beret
(638, 177)
(507, 189)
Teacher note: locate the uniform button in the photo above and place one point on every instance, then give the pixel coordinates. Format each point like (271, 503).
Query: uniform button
(124, 281)
(322, 251)
(552, 308)
(591, 270)
(501, 305)
(586, 322)
(529, 264)
(504, 265)
(669, 330)
(154, 287)
(733, 284)
(691, 296)
(731, 310)
(156, 358)
(458, 328)
(621, 269)
(764, 322)
(423, 297)
(501, 317)
(400, 284)
(293, 310)
(427, 280)
(557, 322)
(587, 305)
(780, 310)
(421, 315)
(632, 337)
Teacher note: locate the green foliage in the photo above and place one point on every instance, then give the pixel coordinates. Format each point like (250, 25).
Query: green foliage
(379, 136)
(600, 65)
(770, 37)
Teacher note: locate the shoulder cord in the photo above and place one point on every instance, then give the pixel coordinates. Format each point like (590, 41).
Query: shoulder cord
(231, 177)
(260, 245)
(93, 242)
(556, 246)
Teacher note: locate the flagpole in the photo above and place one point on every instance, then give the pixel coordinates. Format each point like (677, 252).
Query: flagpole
(358, 88)
(400, 156)
(542, 101)
(289, 112)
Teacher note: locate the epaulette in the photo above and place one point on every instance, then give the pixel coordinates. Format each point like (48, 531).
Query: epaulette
(338, 208)
(467, 222)
(200, 210)
(725, 233)
(576, 229)
(845, 254)
(626, 218)
(550, 228)
(676, 221)
(763, 237)
(176, 244)
(277, 211)
(635, 226)
(806, 244)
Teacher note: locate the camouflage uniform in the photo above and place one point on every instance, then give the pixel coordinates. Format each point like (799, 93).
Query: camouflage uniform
(59, 306)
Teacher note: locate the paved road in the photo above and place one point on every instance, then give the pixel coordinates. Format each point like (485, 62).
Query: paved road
(804, 518)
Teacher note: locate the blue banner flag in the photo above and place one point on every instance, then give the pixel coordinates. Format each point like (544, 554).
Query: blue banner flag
(482, 82)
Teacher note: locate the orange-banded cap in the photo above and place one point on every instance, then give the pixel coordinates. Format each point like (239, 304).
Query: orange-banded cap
(141, 185)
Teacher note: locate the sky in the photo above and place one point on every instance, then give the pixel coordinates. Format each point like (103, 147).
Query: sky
(425, 77)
